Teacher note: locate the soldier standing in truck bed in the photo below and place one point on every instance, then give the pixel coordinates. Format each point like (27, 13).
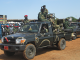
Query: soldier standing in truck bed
(44, 10)
(42, 16)
(26, 19)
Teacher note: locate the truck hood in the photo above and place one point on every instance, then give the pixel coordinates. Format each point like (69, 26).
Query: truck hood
(20, 35)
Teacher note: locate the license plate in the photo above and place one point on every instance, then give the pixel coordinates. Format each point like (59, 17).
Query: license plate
(5, 47)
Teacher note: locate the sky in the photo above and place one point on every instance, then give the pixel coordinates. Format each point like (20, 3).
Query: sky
(16, 9)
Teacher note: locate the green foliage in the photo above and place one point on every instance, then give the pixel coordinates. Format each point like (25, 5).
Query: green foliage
(73, 19)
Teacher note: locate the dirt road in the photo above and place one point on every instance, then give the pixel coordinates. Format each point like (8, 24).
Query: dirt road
(71, 52)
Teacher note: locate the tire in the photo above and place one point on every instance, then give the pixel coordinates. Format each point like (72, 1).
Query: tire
(62, 44)
(7, 53)
(29, 52)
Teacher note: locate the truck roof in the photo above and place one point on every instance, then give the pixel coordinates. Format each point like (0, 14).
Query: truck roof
(40, 22)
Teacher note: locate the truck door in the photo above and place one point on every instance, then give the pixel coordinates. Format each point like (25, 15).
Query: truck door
(44, 36)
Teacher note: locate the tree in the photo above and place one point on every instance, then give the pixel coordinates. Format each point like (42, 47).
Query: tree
(73, 19)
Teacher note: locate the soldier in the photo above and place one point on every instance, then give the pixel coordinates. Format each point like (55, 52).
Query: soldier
(45, 29)
(66, 24)
(54, 23)
(15, 29)
(41, 17)
(26, 19)
(11, 29)
(7, 30)
(44, 10)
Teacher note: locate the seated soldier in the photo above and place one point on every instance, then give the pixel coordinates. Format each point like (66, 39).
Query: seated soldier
(45, 30)
(41, 17)
(54, 23)
(66, 25)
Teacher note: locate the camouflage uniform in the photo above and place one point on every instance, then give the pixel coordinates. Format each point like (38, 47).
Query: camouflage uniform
(66, 25)
(41, 17)
(26, 21)
(44, 11)
(45, 30)
(54, 23)
(7, 30)
(15, 29)
(44, 16)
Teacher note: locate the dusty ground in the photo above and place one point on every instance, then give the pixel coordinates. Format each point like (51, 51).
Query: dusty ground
(71, 52)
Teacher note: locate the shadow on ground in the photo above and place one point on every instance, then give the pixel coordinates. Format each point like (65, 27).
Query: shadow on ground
(19, 55)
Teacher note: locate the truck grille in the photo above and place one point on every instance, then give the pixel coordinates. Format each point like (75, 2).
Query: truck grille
(11, 41)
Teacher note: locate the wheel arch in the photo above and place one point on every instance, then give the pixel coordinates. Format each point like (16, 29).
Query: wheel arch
(32, 42)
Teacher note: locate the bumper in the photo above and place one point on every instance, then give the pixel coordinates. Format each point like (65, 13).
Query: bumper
(13, 48)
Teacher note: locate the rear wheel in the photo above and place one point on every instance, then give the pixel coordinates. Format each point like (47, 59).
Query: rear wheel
(62, 44)
(74, 37)
(7, 53)
(29, 52)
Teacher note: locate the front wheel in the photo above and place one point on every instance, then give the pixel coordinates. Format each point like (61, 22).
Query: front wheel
(62, 44)
(29, 52)
(7, 53)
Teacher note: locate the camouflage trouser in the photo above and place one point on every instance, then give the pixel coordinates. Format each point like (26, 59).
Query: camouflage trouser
(44, 20)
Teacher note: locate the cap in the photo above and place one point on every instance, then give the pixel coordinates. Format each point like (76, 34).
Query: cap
(7, 26)
(25, 15)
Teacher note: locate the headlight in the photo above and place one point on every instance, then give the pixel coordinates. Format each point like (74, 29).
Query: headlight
(2, 40)
(20, 41)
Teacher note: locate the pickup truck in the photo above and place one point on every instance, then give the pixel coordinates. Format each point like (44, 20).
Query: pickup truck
(31, 37)
(77, 28)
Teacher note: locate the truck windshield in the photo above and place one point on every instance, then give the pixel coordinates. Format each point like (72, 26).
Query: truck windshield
(30, 28)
